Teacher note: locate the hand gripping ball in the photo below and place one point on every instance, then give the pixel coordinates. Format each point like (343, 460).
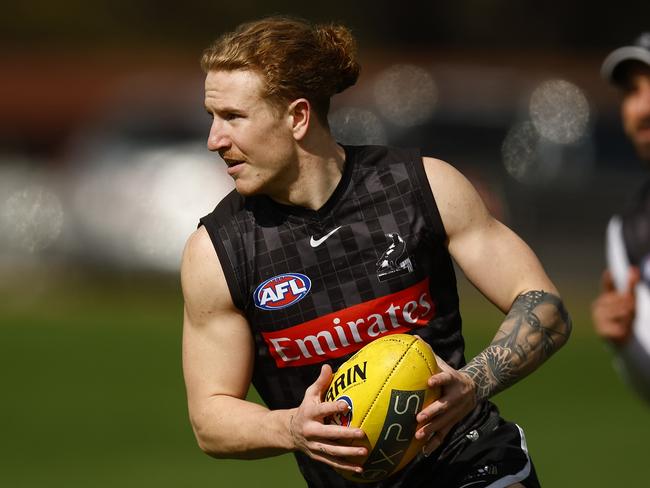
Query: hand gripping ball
(385, 385)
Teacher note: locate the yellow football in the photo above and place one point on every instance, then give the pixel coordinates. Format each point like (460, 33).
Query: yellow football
(385, 385)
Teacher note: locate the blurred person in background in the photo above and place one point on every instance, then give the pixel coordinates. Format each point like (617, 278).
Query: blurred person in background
(621, 313)
(284, 280)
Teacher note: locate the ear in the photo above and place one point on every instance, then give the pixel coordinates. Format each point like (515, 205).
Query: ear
(300, 115)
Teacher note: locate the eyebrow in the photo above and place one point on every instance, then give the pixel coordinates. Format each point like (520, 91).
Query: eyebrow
(225, 109)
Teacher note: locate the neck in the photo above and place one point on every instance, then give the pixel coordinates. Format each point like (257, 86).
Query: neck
(319, 171)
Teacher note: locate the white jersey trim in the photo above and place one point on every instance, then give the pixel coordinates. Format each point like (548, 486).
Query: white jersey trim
(521, 475)
(632, 360)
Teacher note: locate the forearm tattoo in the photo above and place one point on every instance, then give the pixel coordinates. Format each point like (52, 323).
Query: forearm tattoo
(536, 326)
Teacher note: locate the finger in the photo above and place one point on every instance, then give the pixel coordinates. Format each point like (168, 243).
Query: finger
(323, 427)
(436, 420)
(615, 330)
(344, 433)
(326, 409)
(426, 431)
(434, 441)
(607, 282)
(319, 386)
(334, 461)
(621, 329)
(430, 412)
(338, 450)
(334, 432)
(432, 444)
(613, 306)
(440, 379)
(324, 378)
(621, 313)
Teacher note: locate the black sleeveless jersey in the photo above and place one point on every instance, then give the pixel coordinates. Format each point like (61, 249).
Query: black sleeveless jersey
(316, 286)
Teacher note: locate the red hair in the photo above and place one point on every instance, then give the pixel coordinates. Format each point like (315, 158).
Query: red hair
(295, 59)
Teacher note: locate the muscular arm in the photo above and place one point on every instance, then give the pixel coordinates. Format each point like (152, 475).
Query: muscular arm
(218, 364)
(218, 357)
(508, 273)
(536, 326)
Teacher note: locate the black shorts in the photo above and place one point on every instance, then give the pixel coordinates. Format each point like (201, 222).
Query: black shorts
(494, 455)
(485, 452)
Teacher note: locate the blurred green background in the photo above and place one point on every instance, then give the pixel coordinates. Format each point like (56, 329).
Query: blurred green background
(93, 393)
(104, 173)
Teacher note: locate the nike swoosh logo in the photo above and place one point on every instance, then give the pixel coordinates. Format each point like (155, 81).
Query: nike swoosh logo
(317, 242)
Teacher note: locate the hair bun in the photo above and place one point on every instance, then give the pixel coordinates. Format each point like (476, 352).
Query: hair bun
(340, 48)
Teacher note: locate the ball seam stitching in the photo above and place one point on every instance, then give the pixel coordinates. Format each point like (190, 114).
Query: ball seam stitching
(383, 386)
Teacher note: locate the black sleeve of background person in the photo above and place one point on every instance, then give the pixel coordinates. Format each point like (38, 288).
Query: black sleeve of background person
(636, 226)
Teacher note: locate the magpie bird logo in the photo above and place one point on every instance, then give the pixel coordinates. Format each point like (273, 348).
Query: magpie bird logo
(394, 261)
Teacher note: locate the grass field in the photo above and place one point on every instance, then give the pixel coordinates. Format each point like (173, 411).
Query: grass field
(92, 394)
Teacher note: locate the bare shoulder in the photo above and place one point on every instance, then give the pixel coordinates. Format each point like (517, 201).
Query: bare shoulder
(198, 254)
(204, 286)
(434, 166)
(457, 200)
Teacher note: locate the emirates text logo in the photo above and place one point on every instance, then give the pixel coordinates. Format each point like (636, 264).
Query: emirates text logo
(348, 330)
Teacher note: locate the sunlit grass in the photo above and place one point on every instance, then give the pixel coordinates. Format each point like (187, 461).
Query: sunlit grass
(93, 393)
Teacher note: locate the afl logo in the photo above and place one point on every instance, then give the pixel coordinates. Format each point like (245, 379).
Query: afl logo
(281, 291)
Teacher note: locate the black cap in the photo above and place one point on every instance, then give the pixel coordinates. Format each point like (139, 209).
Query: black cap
(639, 51)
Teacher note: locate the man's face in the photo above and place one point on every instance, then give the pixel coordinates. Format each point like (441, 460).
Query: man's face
(636, 108)
(252, 136)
